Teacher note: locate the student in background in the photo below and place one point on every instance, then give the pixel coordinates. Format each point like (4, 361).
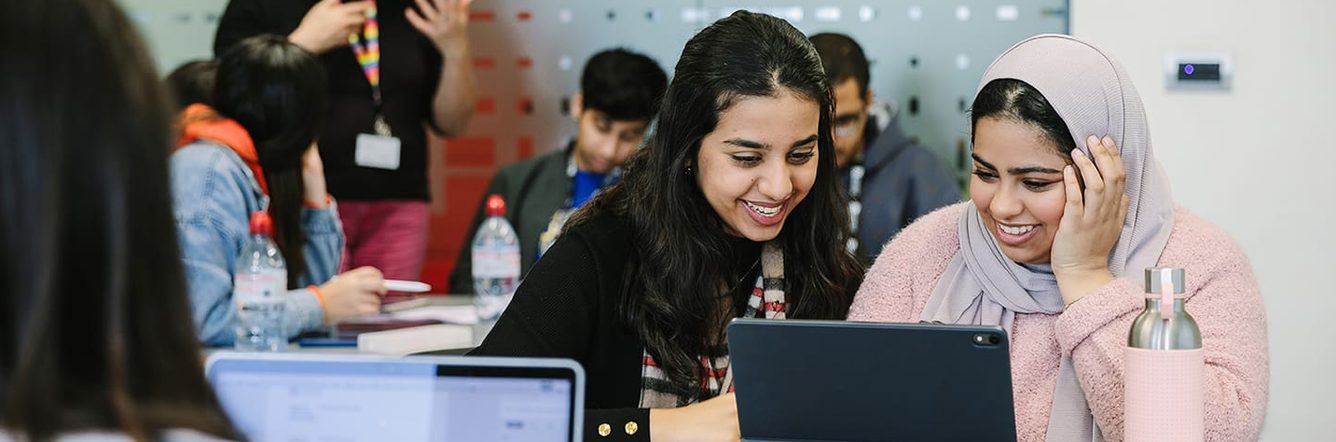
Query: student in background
(890, 179)
(95, 340)
(730, 210)
(1059, 262)
(256, 151)
(192, 82)
(619, 94)
(375, 145)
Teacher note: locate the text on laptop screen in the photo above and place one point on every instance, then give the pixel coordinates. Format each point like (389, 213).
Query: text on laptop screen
(313, 400)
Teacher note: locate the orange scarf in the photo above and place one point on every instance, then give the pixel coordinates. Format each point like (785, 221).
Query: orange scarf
(201, 122)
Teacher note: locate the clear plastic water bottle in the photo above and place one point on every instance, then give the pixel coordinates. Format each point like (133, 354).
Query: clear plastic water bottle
(496, 261)
(259, 285)
(1164, 366)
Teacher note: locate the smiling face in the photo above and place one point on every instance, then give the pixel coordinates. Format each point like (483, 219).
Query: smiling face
(1017, 187)
(759, 162)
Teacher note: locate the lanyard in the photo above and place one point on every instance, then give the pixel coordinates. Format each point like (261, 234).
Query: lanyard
(367, 49)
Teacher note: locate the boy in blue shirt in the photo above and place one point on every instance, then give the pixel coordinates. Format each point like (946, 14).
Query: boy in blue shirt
(619, 94)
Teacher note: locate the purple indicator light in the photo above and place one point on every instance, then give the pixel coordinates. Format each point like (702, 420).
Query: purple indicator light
(1187, 69)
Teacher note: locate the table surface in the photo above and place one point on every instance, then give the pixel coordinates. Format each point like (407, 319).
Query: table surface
(480, 330)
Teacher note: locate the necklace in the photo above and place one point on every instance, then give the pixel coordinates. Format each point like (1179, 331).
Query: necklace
(744, 276)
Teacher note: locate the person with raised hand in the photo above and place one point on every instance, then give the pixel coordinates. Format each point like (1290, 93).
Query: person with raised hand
(395, 69)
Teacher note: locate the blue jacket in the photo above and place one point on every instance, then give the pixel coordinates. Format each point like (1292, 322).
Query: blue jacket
(902, 182)
(213, 195)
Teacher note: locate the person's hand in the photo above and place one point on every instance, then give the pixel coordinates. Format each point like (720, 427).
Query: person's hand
(327, 25)
(352, 294)
(713, 420)
(1091, 221)
(444, 22)
(313, 178)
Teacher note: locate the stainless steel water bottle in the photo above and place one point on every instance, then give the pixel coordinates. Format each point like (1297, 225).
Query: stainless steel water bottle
(1164, 366)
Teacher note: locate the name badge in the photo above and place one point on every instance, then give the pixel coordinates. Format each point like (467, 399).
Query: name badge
(377, 151)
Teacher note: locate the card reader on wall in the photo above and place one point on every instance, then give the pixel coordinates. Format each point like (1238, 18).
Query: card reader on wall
(1199, 71)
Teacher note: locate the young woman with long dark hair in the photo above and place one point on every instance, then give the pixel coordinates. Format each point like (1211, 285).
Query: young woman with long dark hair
(730, 210)
(255, 150)
(95, 335)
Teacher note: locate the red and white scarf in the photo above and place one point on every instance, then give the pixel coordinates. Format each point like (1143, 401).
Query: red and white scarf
(766, 301)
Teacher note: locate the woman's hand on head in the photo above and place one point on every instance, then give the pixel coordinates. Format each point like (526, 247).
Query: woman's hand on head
(713, 420)
(1092, 220)
(353, 294)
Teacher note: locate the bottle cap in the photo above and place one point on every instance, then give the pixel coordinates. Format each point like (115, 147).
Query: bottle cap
(261, 224)
(496, 206)
(1155, 276)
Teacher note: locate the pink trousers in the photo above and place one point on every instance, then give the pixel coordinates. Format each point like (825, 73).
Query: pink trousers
(388, 235)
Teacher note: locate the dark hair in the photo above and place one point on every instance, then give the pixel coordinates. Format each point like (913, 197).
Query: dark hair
(95, 329)
(842, 58)
(276, 90)
(622, 84)
(192, 83)
(681, 249)
(1016, 100)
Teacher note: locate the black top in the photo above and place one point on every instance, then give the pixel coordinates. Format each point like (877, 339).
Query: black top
(569, 307)
(534, 190)
(410, 68)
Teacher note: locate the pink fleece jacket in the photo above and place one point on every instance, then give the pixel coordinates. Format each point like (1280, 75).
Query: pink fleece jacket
(1222, 296)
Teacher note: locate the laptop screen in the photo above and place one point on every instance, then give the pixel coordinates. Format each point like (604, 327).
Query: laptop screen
(429, 399)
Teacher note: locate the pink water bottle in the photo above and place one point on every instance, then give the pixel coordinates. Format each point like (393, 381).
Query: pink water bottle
(1164, 366)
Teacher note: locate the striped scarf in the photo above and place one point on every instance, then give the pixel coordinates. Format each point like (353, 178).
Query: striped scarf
(766, 301)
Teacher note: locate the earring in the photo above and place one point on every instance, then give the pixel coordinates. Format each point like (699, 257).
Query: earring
(687, 171)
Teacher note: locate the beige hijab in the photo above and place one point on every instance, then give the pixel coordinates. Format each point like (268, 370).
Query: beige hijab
(1094, 96)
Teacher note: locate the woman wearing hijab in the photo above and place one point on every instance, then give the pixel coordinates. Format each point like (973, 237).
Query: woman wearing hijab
(1067, 208)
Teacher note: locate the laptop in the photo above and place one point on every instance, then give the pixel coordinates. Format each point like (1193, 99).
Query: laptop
(300, 397)
(805, 381)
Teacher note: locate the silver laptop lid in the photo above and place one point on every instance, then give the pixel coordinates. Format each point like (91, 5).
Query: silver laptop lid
(418, 398)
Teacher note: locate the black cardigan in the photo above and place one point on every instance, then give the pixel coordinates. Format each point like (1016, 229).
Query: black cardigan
(568, 307)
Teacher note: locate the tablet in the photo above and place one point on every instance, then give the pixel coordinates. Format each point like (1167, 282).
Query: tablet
(848, 381)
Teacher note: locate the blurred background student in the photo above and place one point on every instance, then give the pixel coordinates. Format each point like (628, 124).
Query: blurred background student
(192, 82)
(891, 180)
(255, 150)
(619, 94)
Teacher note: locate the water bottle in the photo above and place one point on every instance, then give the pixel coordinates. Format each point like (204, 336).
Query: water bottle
(259, 286)
(1165, 367)
(496, 261)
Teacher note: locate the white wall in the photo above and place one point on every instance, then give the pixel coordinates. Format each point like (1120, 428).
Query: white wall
(1258, 160)
(176, 31)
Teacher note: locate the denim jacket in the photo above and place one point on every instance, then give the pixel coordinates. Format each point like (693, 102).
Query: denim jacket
(213, 195)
